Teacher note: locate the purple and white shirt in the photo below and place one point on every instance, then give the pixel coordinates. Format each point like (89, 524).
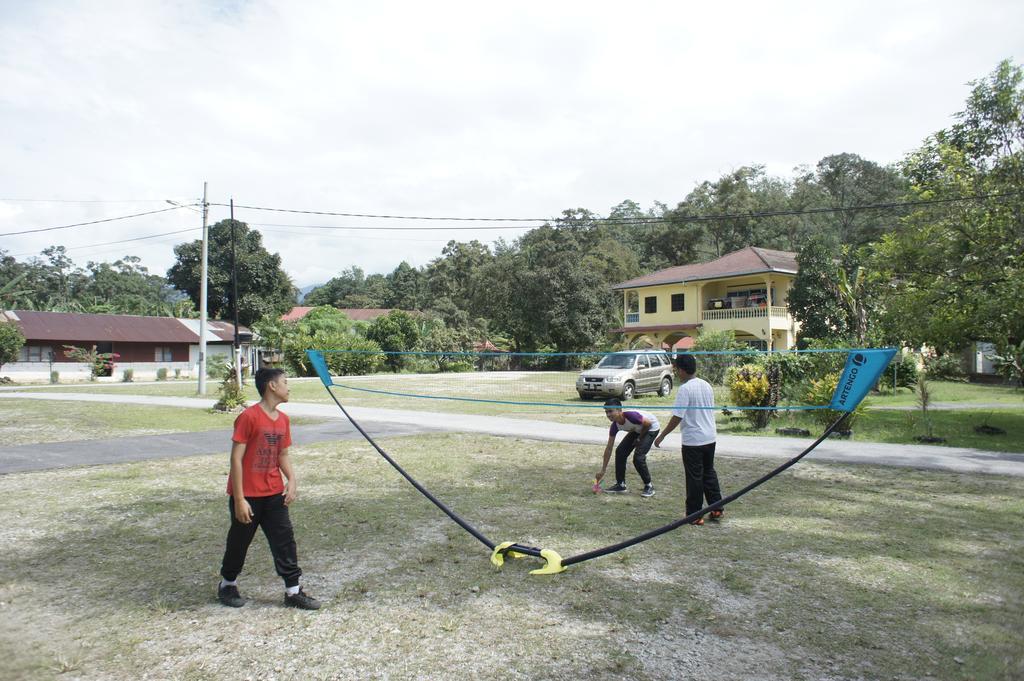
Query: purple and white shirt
(634, 423)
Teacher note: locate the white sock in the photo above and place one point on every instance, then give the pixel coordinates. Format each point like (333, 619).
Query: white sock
(291, 590)
(224, 583)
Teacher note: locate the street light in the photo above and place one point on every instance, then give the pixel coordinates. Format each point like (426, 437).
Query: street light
(202, 295)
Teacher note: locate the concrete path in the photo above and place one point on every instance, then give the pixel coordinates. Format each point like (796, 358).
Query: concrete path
(959, 459)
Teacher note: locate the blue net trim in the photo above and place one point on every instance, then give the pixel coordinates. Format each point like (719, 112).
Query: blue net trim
(577, 405)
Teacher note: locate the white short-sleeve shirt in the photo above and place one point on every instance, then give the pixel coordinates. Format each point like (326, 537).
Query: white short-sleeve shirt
(698, 424)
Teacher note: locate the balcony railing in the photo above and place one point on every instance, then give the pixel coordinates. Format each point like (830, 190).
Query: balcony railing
(745, 313)
(632, 317)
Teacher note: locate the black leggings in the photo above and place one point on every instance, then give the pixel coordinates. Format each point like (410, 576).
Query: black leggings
(625, 448)
(271, 514)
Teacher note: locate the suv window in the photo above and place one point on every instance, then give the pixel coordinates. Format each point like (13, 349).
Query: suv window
(624, 361)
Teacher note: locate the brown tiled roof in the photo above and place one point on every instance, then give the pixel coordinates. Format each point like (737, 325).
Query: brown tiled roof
(355, 313)
(71, 326)
(295, 314)
(750, 260)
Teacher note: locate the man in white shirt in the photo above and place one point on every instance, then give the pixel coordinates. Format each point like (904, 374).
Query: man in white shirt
(695, 409)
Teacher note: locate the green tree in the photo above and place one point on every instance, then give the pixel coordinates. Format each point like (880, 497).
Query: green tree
(955, 271)
(264, 289)
(396, 331)
(813, 299)
(11, 342)
(406, 288)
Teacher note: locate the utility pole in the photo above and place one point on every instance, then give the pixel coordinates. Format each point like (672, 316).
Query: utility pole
(234, 299)
(202, 298)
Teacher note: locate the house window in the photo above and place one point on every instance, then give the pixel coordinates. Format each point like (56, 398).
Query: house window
(163, 354)
(678, 302)
(35, 353)
(651, 304)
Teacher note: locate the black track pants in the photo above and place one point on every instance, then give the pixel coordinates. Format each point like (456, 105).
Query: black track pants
(625, 448)
(270, 514)
(701, 478)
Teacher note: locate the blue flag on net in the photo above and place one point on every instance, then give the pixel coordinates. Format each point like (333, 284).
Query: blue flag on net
(861, 373)
(317, 359)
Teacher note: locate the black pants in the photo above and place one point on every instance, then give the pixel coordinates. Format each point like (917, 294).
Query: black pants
(270, 514)
(701, 478)
(625, 448)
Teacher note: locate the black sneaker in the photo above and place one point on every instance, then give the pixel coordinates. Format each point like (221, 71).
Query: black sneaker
(648, 490)
(229, 596)
(301, 600)
(617, 488)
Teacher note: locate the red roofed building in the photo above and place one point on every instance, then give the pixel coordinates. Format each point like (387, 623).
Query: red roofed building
(143, 344)
(745, 291)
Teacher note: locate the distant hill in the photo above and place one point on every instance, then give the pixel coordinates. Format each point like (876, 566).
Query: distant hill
(303, 291)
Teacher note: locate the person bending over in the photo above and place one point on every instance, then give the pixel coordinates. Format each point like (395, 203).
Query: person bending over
(641, 429)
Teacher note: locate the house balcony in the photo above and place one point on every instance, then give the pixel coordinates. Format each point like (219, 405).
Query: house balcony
(726, 314)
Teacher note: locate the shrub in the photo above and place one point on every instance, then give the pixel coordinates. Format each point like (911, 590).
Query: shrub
(754, 385)
(230, 394)
(161, 374)
(54, 377)
(820, 393)
(902, 372)
(365, 356)
(128, 375)
(177, 373)
(100, 363)
(947, 367)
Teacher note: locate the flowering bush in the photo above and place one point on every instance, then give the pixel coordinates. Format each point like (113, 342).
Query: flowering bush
(100, 363)
(752, 385)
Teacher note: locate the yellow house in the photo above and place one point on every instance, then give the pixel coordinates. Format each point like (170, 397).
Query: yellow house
(746, 291)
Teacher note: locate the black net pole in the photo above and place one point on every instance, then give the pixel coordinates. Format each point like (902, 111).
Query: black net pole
(423, 490)
(597, 553)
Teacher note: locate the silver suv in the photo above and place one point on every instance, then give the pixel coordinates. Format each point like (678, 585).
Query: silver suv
(625, 374)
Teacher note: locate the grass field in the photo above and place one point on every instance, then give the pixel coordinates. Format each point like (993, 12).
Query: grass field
(828, 572)
(35, 421)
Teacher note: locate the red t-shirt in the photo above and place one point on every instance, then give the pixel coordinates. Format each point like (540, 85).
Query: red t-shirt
(264, 439)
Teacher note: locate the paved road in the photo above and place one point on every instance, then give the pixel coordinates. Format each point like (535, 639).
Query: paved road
(961, 459)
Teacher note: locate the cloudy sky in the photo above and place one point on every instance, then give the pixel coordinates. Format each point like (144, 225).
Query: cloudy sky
(445, 109)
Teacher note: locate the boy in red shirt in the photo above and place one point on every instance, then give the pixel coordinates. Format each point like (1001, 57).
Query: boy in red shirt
(258, 494)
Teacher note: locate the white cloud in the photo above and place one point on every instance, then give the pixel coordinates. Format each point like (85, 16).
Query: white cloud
(450, 109)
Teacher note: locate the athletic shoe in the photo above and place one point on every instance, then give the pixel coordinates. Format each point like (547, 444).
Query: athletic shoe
(617, 488)
(648, 490)
(698, 521)
(301, 600)
(716, 514)
(229, 596)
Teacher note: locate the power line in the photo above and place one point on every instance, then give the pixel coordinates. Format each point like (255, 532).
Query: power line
(111, 243)
(93, 222)
(12, 200)
(624, 221)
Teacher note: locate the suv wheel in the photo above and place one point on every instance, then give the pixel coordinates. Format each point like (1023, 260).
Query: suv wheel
(666, 387)
(628, 390)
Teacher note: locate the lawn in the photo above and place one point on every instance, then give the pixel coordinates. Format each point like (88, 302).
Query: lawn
(829, 571)
(35, 421)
